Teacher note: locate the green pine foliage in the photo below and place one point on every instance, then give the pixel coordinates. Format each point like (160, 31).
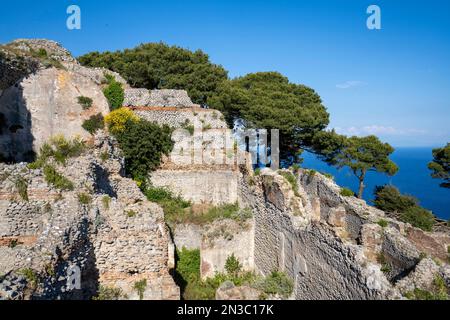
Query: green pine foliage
(440, 166)
(159, 66)
(388, 198)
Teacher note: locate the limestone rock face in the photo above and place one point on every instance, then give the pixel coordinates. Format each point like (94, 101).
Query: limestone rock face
(39, 101)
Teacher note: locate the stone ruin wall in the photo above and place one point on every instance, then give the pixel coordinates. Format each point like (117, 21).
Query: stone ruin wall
(202, 167)
(329, 244)
(217, 241)
(320, 264)
(53, 231)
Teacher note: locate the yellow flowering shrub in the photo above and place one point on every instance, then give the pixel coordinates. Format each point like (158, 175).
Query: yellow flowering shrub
(117, 119)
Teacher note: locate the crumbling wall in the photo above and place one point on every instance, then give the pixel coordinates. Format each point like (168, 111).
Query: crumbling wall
(293, 240)
(111, 243)
(200, 186)
(217, 241)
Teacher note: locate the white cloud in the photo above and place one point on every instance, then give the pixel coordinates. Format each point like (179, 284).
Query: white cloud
(350, 84)
(378, 130)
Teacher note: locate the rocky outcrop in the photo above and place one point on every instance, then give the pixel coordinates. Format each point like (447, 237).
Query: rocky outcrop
(333, 247)
(39, 99)
(54, 232)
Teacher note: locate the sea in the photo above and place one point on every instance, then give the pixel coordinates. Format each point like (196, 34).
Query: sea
(413, 178)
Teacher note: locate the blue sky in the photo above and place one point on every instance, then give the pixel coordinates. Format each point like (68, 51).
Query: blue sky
(392, 82)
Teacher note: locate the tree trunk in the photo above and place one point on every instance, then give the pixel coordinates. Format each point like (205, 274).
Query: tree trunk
(361, 184)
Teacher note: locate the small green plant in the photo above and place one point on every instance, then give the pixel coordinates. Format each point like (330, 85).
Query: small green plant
(114, 93)
(104, 156)
(328, 175)
(110, 294)
(21, 186)
(85, 102)
(277, 283)
(13, 243)
(140, 287)
(189, 127)
(439, 291)
(94, 123)
(311, 173)
(31, 276)
(56, 179)
(296, 168)
(84, 199)
(385, 266)
(346, 192)
(291, 179)
(383, 223)
(106, 201)
(42, 53)
(257, 172)
(131, 213)
(233, 266)
(60, 150)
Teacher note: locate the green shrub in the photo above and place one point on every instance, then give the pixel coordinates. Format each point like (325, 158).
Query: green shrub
(158, 194)
(419, 217)
(233, 266)
(85, 102)
(22, 187)
(328, 175)
(296, 168)
(84, 199)
(109, 294)
(42, 53)
(189, 127)
(114, 93)
(60, 150)
(140, 287)
(143, 143)
(439, 291)
(104, 156)
(346, 192)
(131, 213)
(383, 223)
(106, 201)
(31, 276)
(13, 243)
(94, 123)
(277, 283)
(291, 179)
(56, 179)
(311, 173)
(257, 172)
(389, 199)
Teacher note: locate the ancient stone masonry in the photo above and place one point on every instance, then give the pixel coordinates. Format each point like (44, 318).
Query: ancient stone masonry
(158, 98)
(328, 244)
(217, 241)
(104, 233)
(116, 239)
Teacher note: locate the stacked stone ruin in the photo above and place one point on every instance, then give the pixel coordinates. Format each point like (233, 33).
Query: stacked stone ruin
(328, 244)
